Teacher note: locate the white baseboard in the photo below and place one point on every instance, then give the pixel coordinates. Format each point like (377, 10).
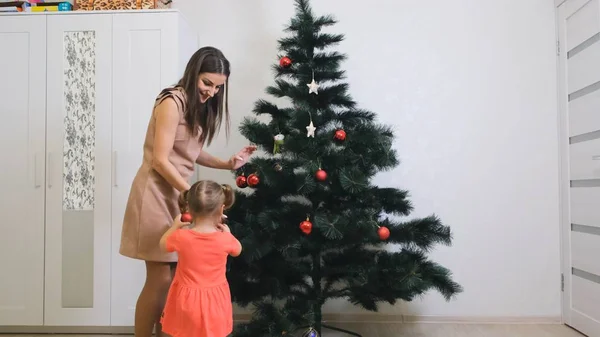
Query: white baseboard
(330, 318)
(483, 319)
(399, 318)
(109, 330)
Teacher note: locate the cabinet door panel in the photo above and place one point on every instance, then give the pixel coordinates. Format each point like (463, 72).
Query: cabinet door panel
(23, 97)
(146, 47)
(78, 170)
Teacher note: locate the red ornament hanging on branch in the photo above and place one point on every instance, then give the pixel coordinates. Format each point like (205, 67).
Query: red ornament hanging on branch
(306, 226)
(241, 182)
(285, 62)
(321, 175)
(384, 233)
(340, 135)
(253, 180)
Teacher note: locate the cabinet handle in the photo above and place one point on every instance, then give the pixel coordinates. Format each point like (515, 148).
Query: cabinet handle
(114, 170)
(37, 175)
(596, 157)
(49, 177)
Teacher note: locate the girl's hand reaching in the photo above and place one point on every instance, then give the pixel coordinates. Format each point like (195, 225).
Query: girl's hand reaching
(223, 228)
(178, 223)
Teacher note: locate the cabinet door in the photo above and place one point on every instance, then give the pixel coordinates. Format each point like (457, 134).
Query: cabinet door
(23, 97)
(78, 170)
(145, 46)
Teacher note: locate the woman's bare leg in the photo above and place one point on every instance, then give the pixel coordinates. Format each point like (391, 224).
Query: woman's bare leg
(152, 299)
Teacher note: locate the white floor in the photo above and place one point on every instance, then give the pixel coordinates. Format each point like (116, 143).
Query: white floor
(457, 330)
(428, 330)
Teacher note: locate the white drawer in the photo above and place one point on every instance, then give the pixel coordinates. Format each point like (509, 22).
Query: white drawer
(585, 160)
(584, 114)
(584, 68)
(585, 206)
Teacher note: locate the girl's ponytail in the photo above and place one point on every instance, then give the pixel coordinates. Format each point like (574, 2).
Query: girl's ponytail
(183, 201)
(229, 196)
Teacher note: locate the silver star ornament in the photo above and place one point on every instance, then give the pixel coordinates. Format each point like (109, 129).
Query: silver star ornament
(310, 130)
(313, 87)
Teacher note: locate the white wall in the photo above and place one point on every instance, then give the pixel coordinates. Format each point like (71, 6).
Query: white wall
(470, 87)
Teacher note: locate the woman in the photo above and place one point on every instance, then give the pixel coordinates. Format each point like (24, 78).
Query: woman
(183, 119)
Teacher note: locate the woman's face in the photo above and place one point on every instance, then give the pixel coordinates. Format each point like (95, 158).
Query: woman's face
(209, 85)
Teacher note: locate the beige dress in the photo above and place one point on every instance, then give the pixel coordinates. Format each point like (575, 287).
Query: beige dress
(152, 203)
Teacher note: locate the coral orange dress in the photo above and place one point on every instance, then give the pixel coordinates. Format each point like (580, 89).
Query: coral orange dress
(199, 300)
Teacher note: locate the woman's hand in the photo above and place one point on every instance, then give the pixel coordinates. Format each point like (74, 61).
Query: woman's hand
(177, 223)
(223, 228)
(241, 158)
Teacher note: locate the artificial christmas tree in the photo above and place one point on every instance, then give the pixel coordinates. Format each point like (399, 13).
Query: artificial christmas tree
(312, 225)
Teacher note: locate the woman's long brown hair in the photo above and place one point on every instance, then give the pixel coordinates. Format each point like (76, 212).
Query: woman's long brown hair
(209, 115)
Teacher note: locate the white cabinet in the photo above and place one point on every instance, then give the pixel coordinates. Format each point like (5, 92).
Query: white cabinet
(151, 51)
(23, 111)
(77, 91)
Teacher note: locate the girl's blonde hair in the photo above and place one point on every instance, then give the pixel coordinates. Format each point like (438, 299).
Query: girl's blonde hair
(206, 197)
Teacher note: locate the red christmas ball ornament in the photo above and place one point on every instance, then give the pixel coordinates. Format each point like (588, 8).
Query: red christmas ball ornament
(384, 233)
(321, 175)
(306, 226)
(285, 62)
(186, 217)
(241, 182)
(253, 180)
(340, 135)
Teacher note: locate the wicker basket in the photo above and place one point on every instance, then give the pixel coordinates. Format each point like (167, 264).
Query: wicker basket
(160, 4)
(95, 5)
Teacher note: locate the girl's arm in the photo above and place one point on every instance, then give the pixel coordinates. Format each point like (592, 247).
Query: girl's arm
(177, 224)
(167, 119)
(234, 247)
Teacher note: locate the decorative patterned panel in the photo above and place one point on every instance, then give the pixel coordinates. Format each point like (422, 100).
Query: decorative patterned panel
(80, 108)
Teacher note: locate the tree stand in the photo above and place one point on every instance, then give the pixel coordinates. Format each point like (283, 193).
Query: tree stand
(329, 327)
(340, 330)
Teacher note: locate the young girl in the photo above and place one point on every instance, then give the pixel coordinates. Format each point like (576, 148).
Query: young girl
(199, 300)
